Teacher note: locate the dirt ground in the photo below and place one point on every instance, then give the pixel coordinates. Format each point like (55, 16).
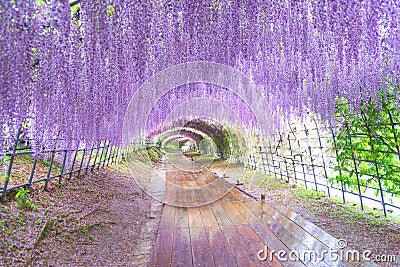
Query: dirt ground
(102, 219)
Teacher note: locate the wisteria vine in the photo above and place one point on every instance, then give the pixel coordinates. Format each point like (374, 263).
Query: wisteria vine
(70, 73)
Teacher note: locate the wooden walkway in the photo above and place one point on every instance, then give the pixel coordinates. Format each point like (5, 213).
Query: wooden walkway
(233, 230)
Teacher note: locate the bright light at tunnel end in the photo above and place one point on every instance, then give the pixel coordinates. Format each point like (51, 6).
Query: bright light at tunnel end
(146, 97)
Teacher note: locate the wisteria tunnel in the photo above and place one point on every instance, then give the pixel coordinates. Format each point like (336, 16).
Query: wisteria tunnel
(200, 133)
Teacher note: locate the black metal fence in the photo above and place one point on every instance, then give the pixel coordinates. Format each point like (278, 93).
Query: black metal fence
(306, 154)
(19, 163)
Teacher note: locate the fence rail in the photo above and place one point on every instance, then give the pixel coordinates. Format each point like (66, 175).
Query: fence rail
(60, 163)
(307, 155)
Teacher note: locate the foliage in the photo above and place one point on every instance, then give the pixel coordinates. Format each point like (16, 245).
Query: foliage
(153, 154)
(367, 145)
(23, 200)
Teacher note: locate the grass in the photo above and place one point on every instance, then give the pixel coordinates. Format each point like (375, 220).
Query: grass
(318, 202)
(46, 230)
(22, 166)
(220, 163)
(83, 229)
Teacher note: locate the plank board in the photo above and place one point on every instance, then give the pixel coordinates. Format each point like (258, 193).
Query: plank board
(220, 214)
(220, 251)
(181, 217)
(233, 213)
(163, 248)
(255, 244)
(246, 213)
(241, 253)
(294, 237)
(201, 250)
(181, 249)
(195, 219)
(208, 216)
(168, 217)
(272, 242)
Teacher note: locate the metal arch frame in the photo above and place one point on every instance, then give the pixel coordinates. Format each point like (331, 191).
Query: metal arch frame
(74, 3)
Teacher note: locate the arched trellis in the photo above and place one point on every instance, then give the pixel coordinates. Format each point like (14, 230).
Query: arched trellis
(203, 128)
(169, 135)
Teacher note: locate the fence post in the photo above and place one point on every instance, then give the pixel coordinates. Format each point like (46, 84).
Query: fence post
(304, 171)
(376, 165)
(109, 155)
(82, 160)
(101, 154)
(313, 168)
(95, 158)
(90, 157)
(323, 158)
(53, 152)
(112, 154)
(73, 165)
(32, 171)
(292, 158)
(311, 159)
(3, 196)
(279, 158)
(62, 167)
(266, 158)
(355, 165)
(272, 157)
(340, 169)
(285, 161)
(116, 154)
(105, 155)
(394, 133)
(262, 160)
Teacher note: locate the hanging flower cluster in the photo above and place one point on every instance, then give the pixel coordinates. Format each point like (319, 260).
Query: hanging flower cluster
(70, 74)
(190, 100)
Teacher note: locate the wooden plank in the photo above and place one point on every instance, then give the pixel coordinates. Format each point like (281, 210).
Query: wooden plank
(179, 194)
(238, 248)
(181, 249)
(195, 219)
(271, 214)
(188, 198)
(202, 194)
(313, 229)
(171, 193)
(233, 213)
(235, 195)
(220, 214)
(201, 250)
(181, 217)
(255, 244)
(294, 237)
(208, 216)
(168, 217)
(219, 248)
(163, 248)
(246, 213)
(265, 233)
(272, 242)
